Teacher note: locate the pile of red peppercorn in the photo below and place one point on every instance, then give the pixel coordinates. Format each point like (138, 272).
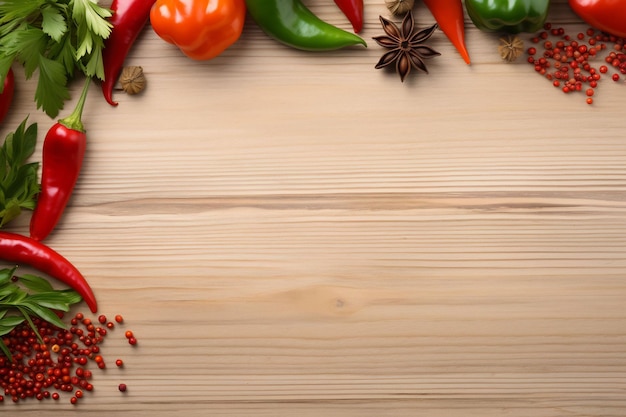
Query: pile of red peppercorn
(58, 365)
(567, 62)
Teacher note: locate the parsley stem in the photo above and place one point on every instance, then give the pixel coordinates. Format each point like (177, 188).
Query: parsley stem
(73, 121)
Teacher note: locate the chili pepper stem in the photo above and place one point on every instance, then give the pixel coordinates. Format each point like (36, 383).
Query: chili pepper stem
(74, 120)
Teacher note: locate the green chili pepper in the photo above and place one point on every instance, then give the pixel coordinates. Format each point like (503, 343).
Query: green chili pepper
(293, 24)
(512, 16)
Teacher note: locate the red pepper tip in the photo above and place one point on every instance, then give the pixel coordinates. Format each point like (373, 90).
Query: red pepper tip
(109, 99)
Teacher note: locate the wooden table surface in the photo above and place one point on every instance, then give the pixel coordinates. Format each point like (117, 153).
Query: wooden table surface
(298, 234)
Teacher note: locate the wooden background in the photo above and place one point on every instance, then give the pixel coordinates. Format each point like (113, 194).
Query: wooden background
(299, 234)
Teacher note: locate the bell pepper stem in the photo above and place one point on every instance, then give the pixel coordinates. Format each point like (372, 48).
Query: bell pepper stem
(74, 120)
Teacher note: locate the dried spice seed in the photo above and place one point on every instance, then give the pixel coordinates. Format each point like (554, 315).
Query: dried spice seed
(568, 61)
(58, 365)
(511, 48)
(133, 80)
(406, 47)
(399, 7)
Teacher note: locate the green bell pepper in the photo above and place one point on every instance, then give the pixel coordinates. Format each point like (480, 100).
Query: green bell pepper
(512, 16)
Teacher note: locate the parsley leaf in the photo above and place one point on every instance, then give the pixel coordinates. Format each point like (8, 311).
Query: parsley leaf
(53, 39)
(52, 88)
(53, 23)
(18, 179)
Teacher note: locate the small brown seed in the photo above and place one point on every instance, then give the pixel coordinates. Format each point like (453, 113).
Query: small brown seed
(510, 48)
(133, 80)
(399, 7)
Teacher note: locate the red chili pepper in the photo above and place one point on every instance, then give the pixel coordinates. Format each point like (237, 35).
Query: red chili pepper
(6, 96)
(63, 152)
(129, 18)
(449, 17)
(607, 15)
(23, 250)
(353, 9)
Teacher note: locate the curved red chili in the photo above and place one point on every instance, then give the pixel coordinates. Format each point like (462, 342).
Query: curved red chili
(353, 9)
(6, 96)
(129, 18)
(24, 250)
(63, 152)
(449, 17)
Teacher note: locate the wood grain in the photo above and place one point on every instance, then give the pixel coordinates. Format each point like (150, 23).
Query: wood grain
(291, 233)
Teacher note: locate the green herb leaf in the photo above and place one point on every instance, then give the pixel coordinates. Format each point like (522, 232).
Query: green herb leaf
(54, 39)
(43, 313)
(52, 88)
(35, 283)
(6, 274)
(18, 179)
(53, 22)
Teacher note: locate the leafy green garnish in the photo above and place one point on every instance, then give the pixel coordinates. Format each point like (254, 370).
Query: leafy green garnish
(35, 297)
(18, 179)
(54, 38)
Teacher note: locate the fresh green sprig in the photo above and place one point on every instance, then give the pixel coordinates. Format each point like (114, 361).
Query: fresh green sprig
(19, 183)
(53, 38)
(29, 296)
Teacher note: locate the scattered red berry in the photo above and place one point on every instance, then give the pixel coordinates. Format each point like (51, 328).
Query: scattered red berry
(122, 387)
(568, 61)
(56, 366)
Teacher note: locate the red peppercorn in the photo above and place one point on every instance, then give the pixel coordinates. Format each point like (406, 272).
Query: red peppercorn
(615, 77)
(119, 363)
(122, 387)
(132, 341)
(36, 370)
(119, 318)
(102, 318)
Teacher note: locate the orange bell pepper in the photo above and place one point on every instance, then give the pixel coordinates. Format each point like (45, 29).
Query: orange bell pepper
(201, 29)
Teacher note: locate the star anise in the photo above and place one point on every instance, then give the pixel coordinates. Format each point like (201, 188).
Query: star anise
(406, 48)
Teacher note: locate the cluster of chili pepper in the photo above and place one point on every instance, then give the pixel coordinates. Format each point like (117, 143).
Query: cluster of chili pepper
(203, 32)
(63, 151)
